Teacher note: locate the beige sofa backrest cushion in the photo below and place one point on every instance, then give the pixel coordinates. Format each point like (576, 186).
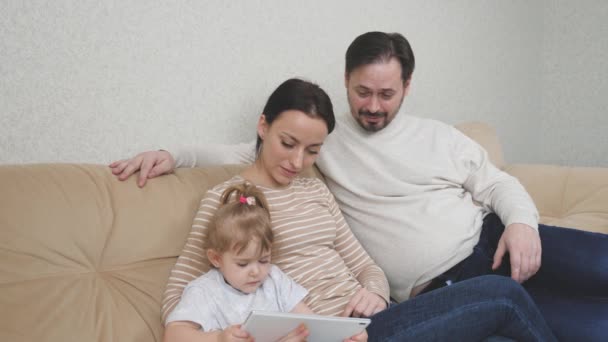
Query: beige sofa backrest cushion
(486, 136)
(84, 257)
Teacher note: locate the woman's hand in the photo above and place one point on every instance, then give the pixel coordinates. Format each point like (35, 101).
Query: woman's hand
(298, 334)
(149, 164)
(364, 304)
(234, 333)
(360, 337)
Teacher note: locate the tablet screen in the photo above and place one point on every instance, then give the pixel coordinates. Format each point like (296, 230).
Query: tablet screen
(270, 326)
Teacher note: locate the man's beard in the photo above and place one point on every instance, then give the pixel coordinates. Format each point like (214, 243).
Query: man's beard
(372, 126)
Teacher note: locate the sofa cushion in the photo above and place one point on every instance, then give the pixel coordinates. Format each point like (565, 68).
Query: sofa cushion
(84, 257)
(574, 197)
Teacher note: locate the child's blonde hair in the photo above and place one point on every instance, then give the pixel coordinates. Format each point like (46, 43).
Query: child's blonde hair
(243, 217)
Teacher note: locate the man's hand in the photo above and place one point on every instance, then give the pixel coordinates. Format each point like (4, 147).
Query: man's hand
(364, 304)
(150, 164)
(523, 244)
(234, 333)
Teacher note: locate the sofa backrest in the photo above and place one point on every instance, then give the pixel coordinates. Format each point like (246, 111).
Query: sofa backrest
(485, 135)
(85, 257)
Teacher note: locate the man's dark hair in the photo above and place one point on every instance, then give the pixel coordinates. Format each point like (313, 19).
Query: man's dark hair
(374, 47)
(297, 94)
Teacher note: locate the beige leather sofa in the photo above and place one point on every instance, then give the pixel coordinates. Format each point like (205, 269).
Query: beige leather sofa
(84, 257)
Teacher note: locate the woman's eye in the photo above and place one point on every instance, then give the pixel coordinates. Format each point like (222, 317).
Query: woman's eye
(313, 152)
(286, 144)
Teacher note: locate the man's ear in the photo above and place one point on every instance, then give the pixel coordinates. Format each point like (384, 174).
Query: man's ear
(214, 257)
(406, 86)
(262, 126)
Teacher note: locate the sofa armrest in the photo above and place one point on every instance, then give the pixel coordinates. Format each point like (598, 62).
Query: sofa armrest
(574, 197)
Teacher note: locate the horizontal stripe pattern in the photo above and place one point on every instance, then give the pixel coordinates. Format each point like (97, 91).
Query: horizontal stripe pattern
(313, 245)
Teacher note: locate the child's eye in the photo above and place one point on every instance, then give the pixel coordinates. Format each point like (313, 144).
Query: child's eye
(240, 264)
(263, 261)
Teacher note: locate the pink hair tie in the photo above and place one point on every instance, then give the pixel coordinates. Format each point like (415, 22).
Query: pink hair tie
(247, 200)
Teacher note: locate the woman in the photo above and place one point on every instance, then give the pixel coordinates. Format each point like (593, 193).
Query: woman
(314, 245)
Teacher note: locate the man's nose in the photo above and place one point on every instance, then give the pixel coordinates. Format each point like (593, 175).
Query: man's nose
(373, 105)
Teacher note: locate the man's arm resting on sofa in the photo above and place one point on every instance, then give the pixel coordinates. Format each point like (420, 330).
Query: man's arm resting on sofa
(155, 163)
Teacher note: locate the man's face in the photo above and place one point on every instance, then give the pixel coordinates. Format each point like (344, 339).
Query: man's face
(375, 93)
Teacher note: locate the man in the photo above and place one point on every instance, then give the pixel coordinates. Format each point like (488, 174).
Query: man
(425, 201)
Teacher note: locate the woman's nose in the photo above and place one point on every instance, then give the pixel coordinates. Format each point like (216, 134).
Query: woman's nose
(297, 159)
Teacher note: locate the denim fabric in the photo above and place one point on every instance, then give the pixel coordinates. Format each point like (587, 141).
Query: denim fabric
(471, 310)
(571, 287)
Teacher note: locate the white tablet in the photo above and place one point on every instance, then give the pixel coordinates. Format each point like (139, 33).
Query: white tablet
(270, 326)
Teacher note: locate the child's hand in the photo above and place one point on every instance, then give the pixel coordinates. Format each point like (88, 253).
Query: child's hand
(360, 337)
(234, 333)
(298, 334)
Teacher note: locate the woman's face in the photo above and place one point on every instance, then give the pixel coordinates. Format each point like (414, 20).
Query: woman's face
(289, 145)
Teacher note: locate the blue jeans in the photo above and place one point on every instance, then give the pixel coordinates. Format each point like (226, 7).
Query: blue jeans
(471, 310)
(571, 287)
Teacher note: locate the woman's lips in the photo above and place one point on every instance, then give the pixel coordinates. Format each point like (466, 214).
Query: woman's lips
(289, 172)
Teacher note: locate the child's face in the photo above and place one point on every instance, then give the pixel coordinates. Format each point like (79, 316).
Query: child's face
(245, 271)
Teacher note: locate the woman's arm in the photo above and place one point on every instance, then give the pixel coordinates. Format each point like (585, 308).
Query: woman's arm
(192, 261)
(355, 257)
(374, 296)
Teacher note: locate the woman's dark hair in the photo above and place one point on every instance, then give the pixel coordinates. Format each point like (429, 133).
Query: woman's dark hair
(297, 94)
(374, 47)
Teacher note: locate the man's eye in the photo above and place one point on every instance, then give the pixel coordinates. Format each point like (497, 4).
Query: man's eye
(365, 94)
(387, 96)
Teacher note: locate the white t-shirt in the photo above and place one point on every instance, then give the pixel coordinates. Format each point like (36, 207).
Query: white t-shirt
(215, 305)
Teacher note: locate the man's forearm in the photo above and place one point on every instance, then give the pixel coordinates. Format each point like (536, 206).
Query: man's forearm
(213, 154)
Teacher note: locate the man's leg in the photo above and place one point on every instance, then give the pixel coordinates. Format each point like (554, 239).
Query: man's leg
(573, 318)
(571, 287)
(471, 310)
(573, 261)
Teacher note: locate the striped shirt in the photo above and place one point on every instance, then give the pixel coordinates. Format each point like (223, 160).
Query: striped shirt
(313, 245)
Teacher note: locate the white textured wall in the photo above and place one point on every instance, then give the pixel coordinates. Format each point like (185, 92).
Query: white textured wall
(93, 81)
(575, 83)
